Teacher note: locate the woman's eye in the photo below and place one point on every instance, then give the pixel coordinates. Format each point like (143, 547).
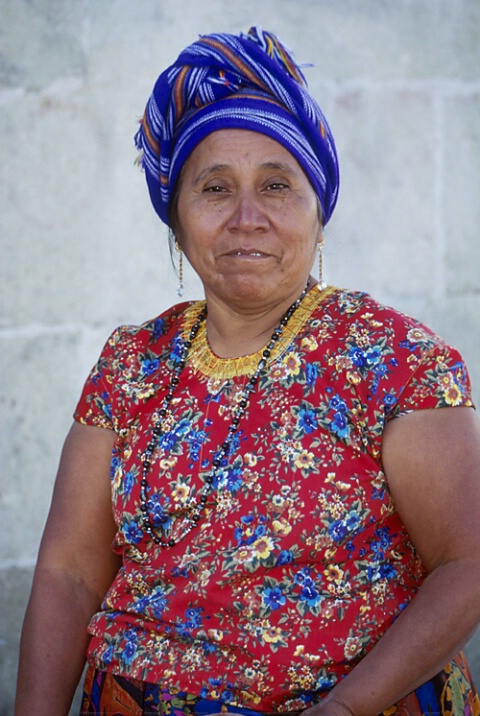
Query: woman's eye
(214, 189)
(277, 186)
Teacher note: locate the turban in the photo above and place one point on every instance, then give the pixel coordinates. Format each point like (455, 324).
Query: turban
(223, 81)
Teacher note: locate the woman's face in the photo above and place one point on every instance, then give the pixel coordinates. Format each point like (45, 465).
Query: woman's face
(247, 220)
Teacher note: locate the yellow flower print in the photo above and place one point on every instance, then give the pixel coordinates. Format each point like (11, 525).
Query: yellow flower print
(278, 502)
(168, 462)
(180, 492)
(249, 673)
(281, 527)
(146, 392)
(117, 478)
(309, 343)
(263, 547)
(245, 554)
(292, 363)
(453, 395)
(304, 460)
(278, 372)
(333, 573)
(352, 647)
(272, 635)
(215, 634)
(353, 377)
(250, 459)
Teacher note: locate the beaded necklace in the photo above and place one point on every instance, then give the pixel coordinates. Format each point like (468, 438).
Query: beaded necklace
(162, 413)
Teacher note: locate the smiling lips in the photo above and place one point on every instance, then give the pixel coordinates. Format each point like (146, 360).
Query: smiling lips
(254, 253)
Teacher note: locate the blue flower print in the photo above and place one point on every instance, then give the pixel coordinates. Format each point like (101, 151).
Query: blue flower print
(352, 521)
(325, 681)
(389, 399)
(359, 358)
(158, 515)
(155, 602)
(209, 648)
(337, 404)
(273, 598)
(193, 620)
(194, 617)
(148, 367)
(310, 595)
(303, 577)
(338, 530)
(381, 545)
(114, 464)
(130, 647)
(158, 329)
(230, 477)
(374, 356)
(176, 352)
(132, 532)
(339, 425)
(307, 420)
(311, 374)
(284, 557)
(128, 483)
(381, 571)
(196, 439)
(106, 407)
(107, 655)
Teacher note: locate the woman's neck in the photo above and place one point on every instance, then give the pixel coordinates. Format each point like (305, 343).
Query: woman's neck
(234, 332)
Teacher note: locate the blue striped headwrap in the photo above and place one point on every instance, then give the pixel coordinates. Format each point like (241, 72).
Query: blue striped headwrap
(222, 81)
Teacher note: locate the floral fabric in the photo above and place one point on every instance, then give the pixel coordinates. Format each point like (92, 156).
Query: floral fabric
(300, 562)
(449, 693)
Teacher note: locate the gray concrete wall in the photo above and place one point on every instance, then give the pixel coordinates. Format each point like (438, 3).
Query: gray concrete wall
(82, 250)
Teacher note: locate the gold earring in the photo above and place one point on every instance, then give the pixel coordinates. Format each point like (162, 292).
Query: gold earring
(321, 244)
(180, 290)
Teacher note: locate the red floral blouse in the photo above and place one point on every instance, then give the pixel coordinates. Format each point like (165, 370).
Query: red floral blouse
(300, 562)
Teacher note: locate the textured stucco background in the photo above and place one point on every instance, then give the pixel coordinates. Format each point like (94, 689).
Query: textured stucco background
(82, 250)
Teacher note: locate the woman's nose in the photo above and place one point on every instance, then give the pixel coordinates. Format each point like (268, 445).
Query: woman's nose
(248, 213)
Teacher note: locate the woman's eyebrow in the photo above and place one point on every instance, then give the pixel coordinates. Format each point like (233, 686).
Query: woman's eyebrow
(210, 170)
(271, 165)
(279, 166)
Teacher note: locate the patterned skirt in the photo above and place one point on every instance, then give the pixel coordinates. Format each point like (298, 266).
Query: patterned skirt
(449, 693)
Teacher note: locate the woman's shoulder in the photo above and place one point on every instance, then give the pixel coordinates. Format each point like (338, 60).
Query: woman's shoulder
(151, 333)
(352, 309)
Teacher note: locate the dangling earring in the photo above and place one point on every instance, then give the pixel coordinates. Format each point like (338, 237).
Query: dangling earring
(321, 244)
(180, 269)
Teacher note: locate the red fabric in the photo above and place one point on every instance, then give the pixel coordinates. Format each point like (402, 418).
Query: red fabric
(301, 562)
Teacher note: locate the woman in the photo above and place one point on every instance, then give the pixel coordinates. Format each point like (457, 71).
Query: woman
(294, 468)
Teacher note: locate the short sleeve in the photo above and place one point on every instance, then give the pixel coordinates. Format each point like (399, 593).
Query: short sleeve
(438, 380)
(95, 404)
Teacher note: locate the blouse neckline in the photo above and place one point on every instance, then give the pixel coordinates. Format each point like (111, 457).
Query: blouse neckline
(202, 359)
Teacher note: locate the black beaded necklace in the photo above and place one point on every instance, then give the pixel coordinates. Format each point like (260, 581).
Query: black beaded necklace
(196, 512)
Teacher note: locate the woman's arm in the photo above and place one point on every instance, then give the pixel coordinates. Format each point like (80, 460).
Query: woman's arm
(74, 570)
(432, 462)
